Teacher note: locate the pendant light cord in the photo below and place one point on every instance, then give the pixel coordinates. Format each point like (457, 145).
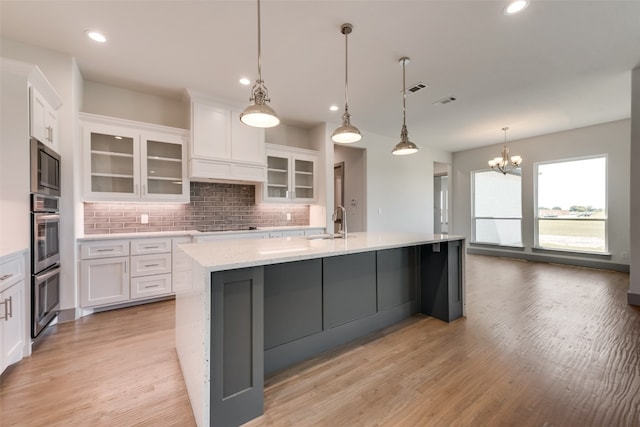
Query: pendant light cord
(259, 47)
(404, 94)
(346, 72)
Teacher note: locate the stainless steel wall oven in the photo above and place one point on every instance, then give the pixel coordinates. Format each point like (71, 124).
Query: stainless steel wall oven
(45, 260)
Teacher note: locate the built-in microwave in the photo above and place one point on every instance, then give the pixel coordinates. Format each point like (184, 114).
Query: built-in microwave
(45, 169)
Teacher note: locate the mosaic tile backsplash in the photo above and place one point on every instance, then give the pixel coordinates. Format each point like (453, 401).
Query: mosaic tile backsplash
(213, 207)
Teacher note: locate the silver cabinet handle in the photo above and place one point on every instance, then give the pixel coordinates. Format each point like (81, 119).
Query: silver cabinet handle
(152, 265)
(5, 276)
(151, 286)
(10, 310)
(6, 310)
(105, 250)
(151, 247)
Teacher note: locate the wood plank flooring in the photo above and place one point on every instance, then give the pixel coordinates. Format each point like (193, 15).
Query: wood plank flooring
(542, 345)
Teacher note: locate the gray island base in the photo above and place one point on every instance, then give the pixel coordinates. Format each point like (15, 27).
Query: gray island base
(257, 306)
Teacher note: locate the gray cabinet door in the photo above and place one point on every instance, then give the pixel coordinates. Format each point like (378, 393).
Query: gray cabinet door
(237, 363)
(397, 276)
(292, 301)
(349, 288)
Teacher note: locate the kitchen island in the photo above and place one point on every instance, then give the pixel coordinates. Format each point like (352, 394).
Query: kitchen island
(256, 306)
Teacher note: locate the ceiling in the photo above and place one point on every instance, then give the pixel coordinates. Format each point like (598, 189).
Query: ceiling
(557, 65)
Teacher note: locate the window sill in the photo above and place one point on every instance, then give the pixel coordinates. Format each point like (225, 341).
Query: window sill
(596, 255)
(496, 246)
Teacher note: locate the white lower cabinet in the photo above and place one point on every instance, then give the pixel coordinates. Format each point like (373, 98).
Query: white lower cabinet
(119, 271)
(181, 267)
(150, 286)
(104, 281)
(12, 310)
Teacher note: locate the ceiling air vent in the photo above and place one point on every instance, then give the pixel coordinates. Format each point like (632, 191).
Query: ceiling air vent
(416, 88)
(444, 100)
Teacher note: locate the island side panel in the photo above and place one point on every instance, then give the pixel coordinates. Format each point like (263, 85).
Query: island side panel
(192, 337)
(441, 280)
(237, 370)
(292, 301)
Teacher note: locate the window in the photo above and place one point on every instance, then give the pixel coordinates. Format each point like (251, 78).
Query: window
(572, 205)
(497, 208)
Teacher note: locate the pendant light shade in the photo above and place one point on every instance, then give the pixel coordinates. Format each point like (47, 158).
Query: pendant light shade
(347, 133)
(259, 114)
(404, 146)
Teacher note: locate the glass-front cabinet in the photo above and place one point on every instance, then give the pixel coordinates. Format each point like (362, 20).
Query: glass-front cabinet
(128, 161)
(114, 169)
(291, 175)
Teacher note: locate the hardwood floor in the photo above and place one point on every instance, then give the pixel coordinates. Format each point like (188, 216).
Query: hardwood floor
(542, 345)
(116, 368)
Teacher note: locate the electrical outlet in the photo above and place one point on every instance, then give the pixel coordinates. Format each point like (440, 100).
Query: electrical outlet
(288, 216)
(144, 219)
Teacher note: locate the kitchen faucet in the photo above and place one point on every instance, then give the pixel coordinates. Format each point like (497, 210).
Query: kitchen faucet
(342, 231)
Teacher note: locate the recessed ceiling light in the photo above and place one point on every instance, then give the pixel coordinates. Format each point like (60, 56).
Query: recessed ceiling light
(516, 6)
(334, 108)
(96, 36)
(245, 81)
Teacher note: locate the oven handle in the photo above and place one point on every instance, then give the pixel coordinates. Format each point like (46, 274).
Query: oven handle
(42, 277)
(47, 217)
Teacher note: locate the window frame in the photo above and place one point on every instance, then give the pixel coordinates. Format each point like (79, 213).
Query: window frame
(537, 218)
(474, 218)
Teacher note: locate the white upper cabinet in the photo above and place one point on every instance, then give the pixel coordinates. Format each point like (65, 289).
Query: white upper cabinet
(291, 175)
(223, 148)
(126, 161)
(43, 119)
(212, 132)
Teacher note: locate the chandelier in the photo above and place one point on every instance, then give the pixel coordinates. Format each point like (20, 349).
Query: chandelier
(504, 163)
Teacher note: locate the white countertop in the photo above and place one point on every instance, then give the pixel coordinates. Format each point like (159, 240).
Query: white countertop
(232, 254)
(151, 234)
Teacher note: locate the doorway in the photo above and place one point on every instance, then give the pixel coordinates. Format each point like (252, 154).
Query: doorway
(440, 198)
(338, 194)
(349, 187)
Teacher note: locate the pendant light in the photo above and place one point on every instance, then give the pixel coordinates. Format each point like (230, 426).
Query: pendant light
(347, 133)
(505, 163)
(404, 146)
(259, 114)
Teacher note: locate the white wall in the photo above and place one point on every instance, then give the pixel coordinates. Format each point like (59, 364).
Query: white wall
(15, 224)
(609, 138)
(291, 136)
(634, 288)
(61, 71)
(127, 104)
(355, 196)
(399, 189)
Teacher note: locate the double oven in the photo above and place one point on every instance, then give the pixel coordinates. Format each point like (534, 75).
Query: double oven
(45, 236)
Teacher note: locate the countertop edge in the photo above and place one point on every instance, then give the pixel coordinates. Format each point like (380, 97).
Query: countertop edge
(191, 249)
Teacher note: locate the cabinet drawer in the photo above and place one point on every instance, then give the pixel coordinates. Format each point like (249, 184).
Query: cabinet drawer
(144, 287)
(146, 265)
(104, 249)
(150, 246)
(12, 270)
